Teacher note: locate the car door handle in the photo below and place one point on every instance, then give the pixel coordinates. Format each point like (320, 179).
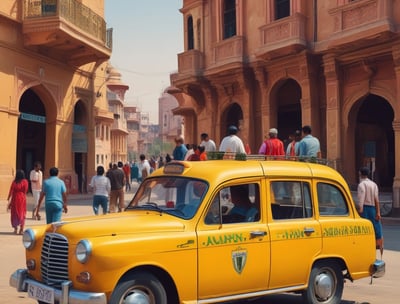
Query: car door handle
(308, 231)
(256, 234)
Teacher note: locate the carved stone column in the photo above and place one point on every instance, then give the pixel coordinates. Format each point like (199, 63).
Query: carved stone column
(261, 106)
(333, 135)
(396, 130)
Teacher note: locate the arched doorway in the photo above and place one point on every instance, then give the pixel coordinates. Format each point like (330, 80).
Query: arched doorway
(31, 139)
(233, 115)
(374, 139)
(288, 104)
(80, 145)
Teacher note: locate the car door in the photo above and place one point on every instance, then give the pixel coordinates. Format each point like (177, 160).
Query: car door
(233, 256)
(294, 231)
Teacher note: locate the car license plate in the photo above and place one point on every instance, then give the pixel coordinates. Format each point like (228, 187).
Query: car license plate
(41, 294)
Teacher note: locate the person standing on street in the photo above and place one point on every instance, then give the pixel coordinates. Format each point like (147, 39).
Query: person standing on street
(180, 149)
(101, 190)
(144, 167)
(55, 191)
(117, 180)
(17, 201)
(36, 178)
(368, 204)
(127, 171)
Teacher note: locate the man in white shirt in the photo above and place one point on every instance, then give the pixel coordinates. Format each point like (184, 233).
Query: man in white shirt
(207, 143)
(36, 178)
(232, 143)
(368, 204)
(144, 167)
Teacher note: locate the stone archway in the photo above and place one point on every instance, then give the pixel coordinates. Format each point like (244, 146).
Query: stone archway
(80, 146)
(233, 115)
(31, 138)
(285, 108)
(373, 133)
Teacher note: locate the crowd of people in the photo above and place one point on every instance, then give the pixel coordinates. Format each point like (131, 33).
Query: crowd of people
(108, 187)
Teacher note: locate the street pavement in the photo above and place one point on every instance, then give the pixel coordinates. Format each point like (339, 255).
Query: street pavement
(383, 290)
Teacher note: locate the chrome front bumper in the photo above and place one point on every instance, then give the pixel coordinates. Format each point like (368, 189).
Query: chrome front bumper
(378, 269)
(20, 280)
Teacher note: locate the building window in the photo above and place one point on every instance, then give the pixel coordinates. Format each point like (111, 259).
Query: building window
(198, 34)
(190, 33)
(229, 18)
(282, 9)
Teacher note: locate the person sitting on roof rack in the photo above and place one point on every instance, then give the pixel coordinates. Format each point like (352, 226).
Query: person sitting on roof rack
(309, 145)
(232, 143)
(273, 145)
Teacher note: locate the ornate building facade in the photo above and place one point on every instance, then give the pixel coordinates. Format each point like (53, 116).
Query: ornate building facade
(53, 60)
(333, 64)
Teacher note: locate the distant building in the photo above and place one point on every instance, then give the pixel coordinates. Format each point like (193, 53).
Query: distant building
(116, 90)
(170, 125)
(133, 115)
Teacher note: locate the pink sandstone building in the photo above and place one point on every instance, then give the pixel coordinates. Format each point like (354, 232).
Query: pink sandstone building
(332, 64)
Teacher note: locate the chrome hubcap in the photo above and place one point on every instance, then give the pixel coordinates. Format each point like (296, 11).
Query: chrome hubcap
(136, 296)
(324, 286)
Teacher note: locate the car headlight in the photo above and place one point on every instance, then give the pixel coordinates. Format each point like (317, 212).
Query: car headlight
(28, 239)
(83, 251)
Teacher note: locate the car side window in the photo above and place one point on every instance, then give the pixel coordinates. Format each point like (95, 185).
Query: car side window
(331, 201)
(290, 200)
(236, 204)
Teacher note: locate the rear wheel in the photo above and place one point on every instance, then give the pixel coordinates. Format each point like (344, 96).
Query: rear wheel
(139, 288)
(325, 285)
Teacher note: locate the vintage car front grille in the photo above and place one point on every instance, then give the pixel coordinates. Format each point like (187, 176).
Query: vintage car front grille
(54, 259)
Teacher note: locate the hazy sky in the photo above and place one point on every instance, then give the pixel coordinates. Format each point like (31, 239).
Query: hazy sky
(147, 36)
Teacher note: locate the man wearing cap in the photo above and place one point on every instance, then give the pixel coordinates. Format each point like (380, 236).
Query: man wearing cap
(231, 142)
(273, 145)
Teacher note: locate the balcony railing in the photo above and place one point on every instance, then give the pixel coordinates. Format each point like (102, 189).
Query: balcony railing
(361, 20)
(72, 11)
(283, 36)
(191, 62)
(229, 51)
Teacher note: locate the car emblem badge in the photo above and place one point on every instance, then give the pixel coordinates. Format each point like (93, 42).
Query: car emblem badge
(239, 257)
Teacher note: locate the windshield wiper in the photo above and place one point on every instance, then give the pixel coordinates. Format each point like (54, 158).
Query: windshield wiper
(147, 206)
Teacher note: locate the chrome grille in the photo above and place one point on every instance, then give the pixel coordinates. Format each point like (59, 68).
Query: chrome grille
(54, 259)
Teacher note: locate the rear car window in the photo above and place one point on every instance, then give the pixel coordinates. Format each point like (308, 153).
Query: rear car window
(331, 201)
(290, 200)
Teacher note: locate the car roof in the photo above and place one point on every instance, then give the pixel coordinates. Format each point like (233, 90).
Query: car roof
(218, 171)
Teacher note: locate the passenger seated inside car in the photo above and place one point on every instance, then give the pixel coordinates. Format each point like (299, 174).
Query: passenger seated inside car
(243, 210)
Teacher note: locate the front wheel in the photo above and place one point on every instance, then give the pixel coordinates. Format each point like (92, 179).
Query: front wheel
(325, 285)
(139, 288)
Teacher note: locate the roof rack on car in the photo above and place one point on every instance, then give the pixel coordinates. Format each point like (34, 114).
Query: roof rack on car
(219, 155)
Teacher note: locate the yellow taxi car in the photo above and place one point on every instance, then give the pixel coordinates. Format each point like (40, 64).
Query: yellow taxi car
(207, 232)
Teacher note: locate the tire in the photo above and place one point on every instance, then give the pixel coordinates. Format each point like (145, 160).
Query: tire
(325, 285)
(141, 287)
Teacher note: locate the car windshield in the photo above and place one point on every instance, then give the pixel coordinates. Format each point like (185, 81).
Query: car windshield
(177, 196)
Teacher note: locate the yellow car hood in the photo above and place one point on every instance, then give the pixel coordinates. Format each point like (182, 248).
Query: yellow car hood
(128, 222)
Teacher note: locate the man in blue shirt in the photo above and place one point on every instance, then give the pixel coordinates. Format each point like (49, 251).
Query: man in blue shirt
(309, 145)
(180, 149)
(56, 197)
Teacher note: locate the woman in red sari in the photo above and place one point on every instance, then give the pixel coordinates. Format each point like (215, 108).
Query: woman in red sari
(17, 204)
